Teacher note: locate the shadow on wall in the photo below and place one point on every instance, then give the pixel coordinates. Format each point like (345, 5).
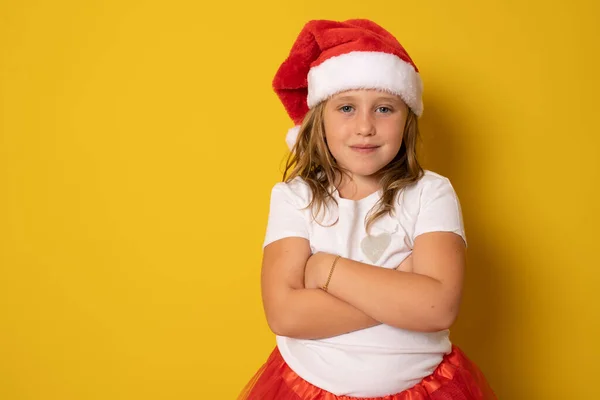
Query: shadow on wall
(487, 304)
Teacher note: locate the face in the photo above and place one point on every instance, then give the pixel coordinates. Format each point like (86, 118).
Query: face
(364, 129)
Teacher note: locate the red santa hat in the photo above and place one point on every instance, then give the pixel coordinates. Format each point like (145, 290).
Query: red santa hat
(329, 57)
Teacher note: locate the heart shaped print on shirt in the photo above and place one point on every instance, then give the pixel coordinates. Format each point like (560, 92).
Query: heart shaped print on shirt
(374, 246)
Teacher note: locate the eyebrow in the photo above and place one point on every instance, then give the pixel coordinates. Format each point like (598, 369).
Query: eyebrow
(393, 99)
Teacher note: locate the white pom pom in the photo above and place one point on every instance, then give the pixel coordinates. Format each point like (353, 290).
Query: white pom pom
(291, 136)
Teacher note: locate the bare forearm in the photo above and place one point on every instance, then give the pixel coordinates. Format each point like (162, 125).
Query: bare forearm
(402, 299)
(315, 314)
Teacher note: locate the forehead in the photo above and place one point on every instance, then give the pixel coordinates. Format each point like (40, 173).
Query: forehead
(366, 94)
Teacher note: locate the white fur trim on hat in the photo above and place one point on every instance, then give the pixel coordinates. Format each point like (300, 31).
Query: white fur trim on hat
(291, 136)
(366, 70)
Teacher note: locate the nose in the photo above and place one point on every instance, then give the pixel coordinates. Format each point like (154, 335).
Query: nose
(365, 126)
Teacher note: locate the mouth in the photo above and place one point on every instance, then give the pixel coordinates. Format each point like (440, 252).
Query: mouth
(369, 148)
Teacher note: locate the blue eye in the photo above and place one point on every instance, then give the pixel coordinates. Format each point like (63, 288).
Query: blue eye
(346, 109)
(388, 110)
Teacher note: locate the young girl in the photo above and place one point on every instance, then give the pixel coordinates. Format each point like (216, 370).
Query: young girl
(364, 251)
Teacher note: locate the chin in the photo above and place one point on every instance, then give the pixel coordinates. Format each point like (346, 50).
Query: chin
(365, 171)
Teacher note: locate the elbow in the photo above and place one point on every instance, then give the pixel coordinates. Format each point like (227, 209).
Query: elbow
(443, 322)
(435, 323)
(444, 313)
(443, 319)
(280, 320)
(277, 325)
(284, 326)
(279, 314)
(275, 319)
(432, 321)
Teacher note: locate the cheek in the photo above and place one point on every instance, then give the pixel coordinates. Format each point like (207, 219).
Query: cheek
(394, 135)
(391, 136)
(334, 143)
(397, 140)
(335, 133)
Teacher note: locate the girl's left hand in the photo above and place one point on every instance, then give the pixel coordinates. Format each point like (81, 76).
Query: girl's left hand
(315, 271)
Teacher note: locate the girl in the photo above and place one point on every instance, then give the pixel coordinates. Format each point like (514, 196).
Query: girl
(364, 250)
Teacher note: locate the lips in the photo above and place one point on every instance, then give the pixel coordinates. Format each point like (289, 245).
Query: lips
(364, 148)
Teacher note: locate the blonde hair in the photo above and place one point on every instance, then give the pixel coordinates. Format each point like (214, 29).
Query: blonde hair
(311, 160)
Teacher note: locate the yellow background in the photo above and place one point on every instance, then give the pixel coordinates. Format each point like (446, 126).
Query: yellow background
(139, 141)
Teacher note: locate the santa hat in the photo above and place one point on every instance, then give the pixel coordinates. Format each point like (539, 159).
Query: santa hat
(329, 57)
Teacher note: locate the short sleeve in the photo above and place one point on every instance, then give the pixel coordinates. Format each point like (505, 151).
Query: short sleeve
(286, 215)
(440, 209)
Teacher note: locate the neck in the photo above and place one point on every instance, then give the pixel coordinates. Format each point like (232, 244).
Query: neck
(355, 187)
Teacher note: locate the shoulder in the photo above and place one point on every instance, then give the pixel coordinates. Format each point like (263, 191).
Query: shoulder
(296, 191)
(429, 186)
(431, 178)
(434, 203)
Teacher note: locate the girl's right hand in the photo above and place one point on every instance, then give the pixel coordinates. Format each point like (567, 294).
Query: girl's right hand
(406, 265)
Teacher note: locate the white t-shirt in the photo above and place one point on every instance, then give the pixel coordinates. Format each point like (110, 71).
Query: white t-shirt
(381, 360)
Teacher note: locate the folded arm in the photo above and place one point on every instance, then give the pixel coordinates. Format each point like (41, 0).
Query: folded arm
(426, 299)
(294, 311)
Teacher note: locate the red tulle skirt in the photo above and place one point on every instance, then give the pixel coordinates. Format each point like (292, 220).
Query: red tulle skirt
(456, 378)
